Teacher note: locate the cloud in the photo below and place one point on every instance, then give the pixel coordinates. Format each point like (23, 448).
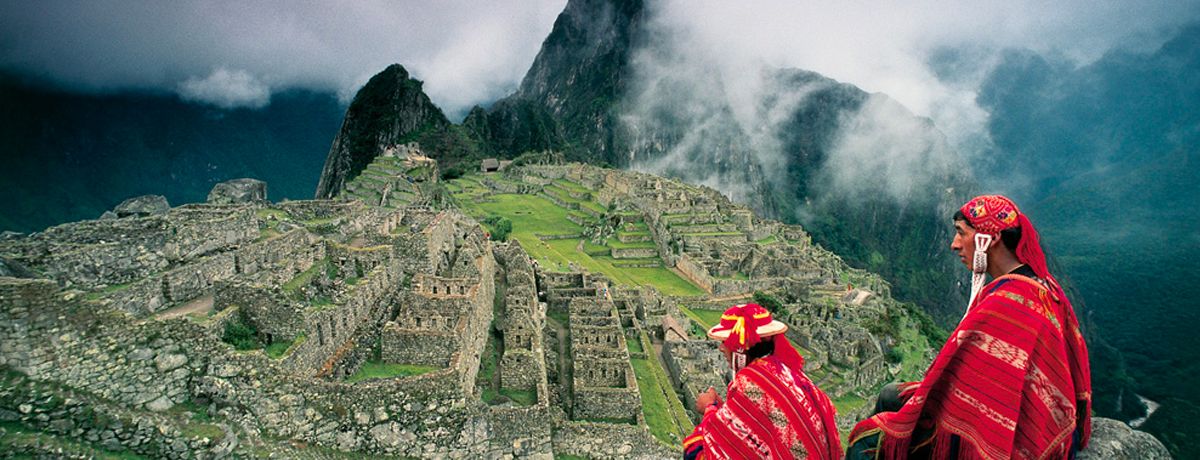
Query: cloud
(931, 57)
(227, 89)
(467, 52)
(888, 47)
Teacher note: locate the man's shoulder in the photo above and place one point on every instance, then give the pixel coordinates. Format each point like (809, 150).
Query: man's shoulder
(1018, 293)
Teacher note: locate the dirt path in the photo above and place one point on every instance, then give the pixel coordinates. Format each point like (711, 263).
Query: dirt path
(202, 305)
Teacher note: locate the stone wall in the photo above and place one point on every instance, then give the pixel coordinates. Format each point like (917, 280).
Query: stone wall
(599, 403)
(101, 253)
(156, 365)
(604, 441)
(274, 317)
(418, 346)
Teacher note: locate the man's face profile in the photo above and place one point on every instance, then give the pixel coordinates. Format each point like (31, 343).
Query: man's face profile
(964, 242)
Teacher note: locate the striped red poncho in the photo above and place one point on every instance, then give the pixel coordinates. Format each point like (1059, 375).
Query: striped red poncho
(1012, 381)
(771, 411)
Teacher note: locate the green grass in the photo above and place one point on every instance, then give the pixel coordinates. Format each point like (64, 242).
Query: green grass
(523, 398)
(706, 318)
(594, 206)
(595, 249)
(532, 215)
(292, 287)
(657, 410)
(566, 184)
(617, 244)
(767, 240)
(561, 316)
(912, 346)
(381, 370)
(202, 430)
(112, 288)
(849, 402)
(276, 350)
(634, 346)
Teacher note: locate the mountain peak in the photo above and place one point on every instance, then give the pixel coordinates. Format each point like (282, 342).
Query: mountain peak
(390, 109)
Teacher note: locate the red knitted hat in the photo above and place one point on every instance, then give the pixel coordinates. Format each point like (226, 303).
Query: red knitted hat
(992, 214)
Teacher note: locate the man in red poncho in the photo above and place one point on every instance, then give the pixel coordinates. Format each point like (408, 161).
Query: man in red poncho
(772, 409)
(1012, 381)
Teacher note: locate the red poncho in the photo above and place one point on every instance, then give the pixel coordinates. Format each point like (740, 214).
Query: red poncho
(1012, 381)
(771, 411)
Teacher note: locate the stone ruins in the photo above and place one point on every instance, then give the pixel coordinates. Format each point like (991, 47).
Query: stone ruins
(387, 323)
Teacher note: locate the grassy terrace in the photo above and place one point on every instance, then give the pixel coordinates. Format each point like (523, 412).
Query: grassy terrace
(568, 185)
(706, 318)
(381, 370)
(532, 215)
(665, 415)
(617, 244)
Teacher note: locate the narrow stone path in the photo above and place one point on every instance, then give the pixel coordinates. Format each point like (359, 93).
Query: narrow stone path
(202, 305)
(562, 335)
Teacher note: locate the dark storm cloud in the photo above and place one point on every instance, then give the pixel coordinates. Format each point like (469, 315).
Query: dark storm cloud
(235, 53)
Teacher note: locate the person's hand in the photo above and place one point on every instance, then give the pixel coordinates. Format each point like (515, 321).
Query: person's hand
(707, 398)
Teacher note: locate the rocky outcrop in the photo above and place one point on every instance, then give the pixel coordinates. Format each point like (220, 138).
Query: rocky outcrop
(567, 99)
(142, 206)
(1113, 440)
(238, 191)
(390, 109)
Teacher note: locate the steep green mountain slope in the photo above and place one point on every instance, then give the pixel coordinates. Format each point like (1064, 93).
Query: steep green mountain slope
(1107, 156)
(390, 109)
(70, 156)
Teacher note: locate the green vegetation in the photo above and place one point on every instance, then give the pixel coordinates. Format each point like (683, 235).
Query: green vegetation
(277, 350)
(241, 334)
(766, 241)
(498, 227)
(106, 291)
(535, 215)
(293, 288)
(706, 318)
(769, 302)
(451, 173)
(664, 414)
(521, 397)
(848, 403)
(374, 369)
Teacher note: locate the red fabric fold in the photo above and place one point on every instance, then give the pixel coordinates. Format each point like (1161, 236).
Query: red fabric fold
(1011, 381)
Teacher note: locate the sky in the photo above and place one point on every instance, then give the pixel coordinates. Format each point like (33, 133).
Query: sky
(237, 53)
